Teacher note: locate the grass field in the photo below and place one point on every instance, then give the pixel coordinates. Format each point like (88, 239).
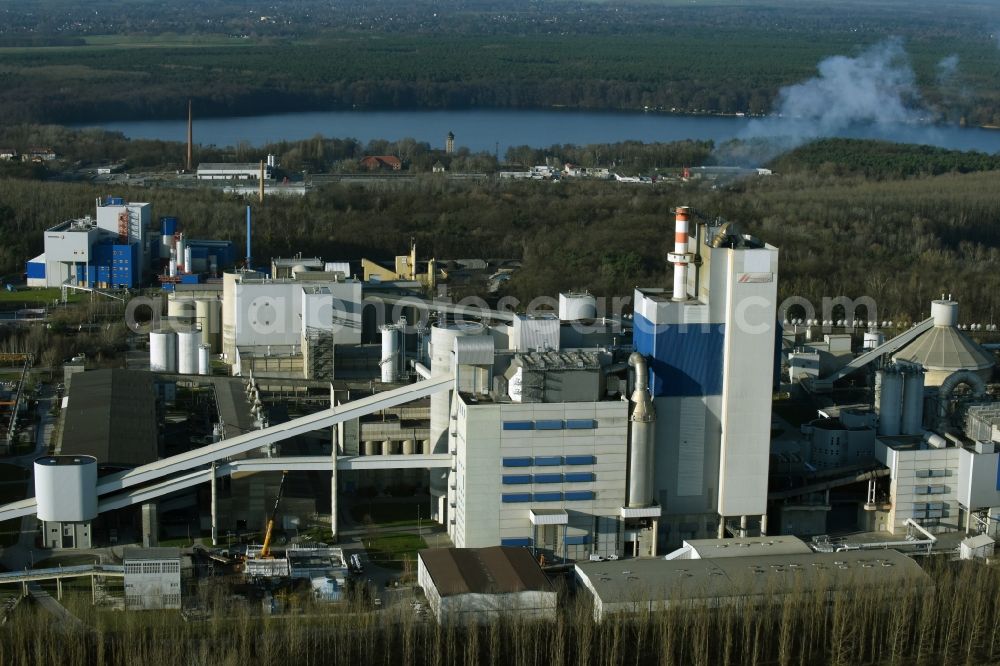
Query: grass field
(393, 550)
(390, 514)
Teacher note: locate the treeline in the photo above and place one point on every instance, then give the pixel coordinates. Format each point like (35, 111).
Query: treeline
(881, 159)
(702, 70)
(321, 154)
(951, 623)
(901, 242)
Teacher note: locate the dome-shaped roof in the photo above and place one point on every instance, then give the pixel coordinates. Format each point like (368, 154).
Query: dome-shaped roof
(944, 349)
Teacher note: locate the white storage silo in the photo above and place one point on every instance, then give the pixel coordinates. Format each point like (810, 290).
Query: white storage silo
(173, 267)
(913, 400)
(181, 310)
(187, 352)
(181, 247)
(889, 400)
(208, 312)
(188, 260)
(574, 306)
(66, 488)
(204, 360)
(166, 245)
(389, 361)
(443, 335)
(162, 351)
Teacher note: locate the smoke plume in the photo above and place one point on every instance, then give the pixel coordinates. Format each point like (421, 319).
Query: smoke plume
(875, 88)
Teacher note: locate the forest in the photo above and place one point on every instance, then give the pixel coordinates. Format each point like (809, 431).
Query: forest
(950, 623)
(900, 239)
(714, 58)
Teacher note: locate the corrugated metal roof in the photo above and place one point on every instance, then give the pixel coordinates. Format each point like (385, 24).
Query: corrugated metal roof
(161, 553)
(632, 581)
(495, 570)
(945, 348)
(111, 415)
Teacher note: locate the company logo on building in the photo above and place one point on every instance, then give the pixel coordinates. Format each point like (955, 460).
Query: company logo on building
(754, 277)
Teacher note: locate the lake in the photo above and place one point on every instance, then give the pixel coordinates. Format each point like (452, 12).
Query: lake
(489, 130)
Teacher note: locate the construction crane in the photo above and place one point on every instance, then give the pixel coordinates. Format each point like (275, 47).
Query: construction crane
(265, 551)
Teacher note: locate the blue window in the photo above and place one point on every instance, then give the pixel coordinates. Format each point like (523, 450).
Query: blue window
(510, 498)
(548, 497)
(578, 495)
(548, 478)
(576, 539)
(581, 460)
(548, 461)
(516, 478)
(517, 462)
(581, 424)
(548, 425)
(579, 477)
(519, 541)
(518, 425)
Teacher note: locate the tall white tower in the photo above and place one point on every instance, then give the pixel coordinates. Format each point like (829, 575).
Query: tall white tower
(711, 345)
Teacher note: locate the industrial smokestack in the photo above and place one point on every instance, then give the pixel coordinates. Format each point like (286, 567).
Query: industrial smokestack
(680, 257)
(248, 236)
(190, 146)
(642, 437)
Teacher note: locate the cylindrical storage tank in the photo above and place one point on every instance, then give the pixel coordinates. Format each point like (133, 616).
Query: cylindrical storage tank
(408, 447)
(371, 448)
(187, 352)
(889, 400)
(945, 313)
(574, 306)
(442, 343)
(229, 282)
(387, 447)
(873, 339)
(173, 267)
(913, 401)
(425, 446)
(203, 314)
(204, 360)
(188, 260)
(168, 226)
(162, 351)
(390, 353)
(66, 488)
(181, 247)
(181, 309)
(166, 242)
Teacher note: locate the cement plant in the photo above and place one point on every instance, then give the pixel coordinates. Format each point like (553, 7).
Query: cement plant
(308, 433)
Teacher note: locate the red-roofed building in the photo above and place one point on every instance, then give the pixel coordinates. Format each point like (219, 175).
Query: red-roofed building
(381, 162)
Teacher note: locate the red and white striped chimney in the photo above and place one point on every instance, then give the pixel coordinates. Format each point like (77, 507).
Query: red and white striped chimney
(680, 257)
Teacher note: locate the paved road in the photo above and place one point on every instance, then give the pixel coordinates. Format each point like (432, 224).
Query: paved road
(23, 554)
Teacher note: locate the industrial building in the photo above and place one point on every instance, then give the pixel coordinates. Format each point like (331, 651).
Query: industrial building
(541, 430)
(119, 248)
(649, 585)
(476, 585)
(237, 170)
(711, 345)
(152, 578)
(924, 441)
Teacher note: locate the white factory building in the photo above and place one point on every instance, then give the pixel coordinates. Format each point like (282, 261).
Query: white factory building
(71, 245)
(258, 312)
(152, 578)
(711, 344)
(236, 170)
